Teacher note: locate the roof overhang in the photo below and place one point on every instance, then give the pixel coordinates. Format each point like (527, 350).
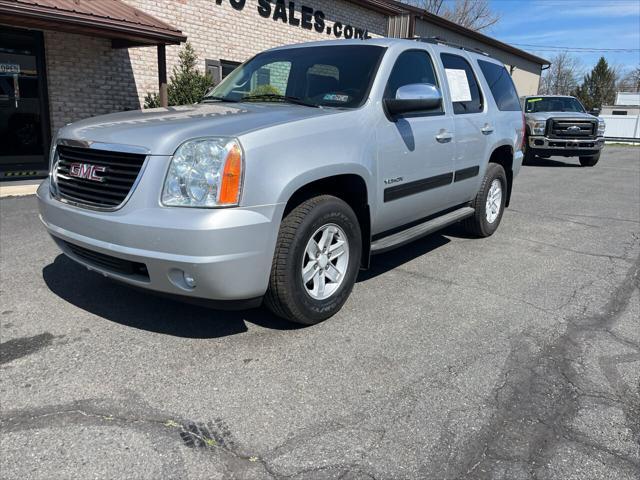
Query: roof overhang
(127, 27)
(422, 14)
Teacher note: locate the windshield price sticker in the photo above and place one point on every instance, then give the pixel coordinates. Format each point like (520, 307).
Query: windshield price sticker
(333, 97)
(531, 100)
(9, 68)
(458, 85)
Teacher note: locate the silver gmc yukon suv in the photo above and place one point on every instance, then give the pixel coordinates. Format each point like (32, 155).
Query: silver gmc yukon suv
(290, 174)
(560, 125)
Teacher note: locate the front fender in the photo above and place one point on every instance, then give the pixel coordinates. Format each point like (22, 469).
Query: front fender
(282, 159)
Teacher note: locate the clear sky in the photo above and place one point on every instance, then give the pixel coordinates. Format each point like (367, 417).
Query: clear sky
(580, 24)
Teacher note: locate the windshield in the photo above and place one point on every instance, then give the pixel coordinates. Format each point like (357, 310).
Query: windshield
(553, 104)
(328, 76)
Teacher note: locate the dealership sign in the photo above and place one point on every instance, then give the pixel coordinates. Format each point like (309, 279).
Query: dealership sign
(307, 17)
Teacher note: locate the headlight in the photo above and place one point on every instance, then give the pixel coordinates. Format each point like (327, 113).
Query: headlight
(204, 173)
(601, 128)
(538, 128)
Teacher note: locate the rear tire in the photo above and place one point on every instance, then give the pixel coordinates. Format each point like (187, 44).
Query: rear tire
(332, 263)
(590, 161)
(488, 205)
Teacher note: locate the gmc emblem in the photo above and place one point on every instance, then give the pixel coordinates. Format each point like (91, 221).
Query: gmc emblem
(87, 171)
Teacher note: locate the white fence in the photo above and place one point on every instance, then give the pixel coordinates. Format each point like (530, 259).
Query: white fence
(622, 126)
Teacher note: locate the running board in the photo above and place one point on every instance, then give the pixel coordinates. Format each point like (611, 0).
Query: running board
(406, 236)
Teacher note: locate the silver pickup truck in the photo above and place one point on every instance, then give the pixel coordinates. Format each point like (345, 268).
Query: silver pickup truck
(560, 125)
(290, 174)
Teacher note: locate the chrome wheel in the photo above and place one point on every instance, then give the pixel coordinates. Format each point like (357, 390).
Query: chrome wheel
(325, 262)
(494, 201)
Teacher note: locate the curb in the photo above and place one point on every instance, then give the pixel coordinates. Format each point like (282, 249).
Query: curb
(18, 190)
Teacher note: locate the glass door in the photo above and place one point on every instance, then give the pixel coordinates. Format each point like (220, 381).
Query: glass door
(24, 135)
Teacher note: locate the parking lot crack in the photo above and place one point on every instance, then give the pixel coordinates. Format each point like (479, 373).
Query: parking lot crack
(578, 252)
(539, 394)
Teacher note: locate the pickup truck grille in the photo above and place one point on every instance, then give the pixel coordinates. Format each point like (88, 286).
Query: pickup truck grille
(567, 128)
(96, 178)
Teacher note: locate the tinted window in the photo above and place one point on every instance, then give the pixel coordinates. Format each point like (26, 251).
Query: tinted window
(412, 66)
(468, 94)
(331, 76)
(552, 104)
(501, 85)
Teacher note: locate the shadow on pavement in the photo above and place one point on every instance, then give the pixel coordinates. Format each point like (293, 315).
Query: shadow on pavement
(381, 264)
(143, 310)
(147, 311)
(547, 162)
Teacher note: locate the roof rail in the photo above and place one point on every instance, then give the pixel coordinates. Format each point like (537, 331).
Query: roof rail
(442, 41)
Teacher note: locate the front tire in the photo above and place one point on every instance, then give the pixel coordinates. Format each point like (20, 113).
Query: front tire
(316, 261)
(590, 161)
(489, 203)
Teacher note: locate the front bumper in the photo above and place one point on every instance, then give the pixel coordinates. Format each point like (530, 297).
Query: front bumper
(228, 252)
(546, 143)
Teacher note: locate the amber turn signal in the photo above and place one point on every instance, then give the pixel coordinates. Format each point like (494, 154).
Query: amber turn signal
(231, 178)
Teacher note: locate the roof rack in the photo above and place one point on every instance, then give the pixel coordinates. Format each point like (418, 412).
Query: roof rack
(442, 41)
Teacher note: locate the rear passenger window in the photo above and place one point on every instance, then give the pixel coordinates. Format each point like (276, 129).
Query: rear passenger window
(463, 86)
(501, 85)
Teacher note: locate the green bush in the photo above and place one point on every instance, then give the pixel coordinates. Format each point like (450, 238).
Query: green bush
(186, 85)
(264, 90)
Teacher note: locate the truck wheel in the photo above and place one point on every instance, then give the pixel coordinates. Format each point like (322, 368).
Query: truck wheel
(316, 261)
(529, 156)
(489, 203)
(590, 161)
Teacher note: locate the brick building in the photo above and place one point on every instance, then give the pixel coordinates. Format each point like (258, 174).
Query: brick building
(63, 60)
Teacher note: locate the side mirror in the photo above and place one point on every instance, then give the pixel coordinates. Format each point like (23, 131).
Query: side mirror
(595, 112)
(417, 97)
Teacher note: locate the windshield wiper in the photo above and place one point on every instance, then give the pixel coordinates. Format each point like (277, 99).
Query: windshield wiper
(284, 98)
(219, 99)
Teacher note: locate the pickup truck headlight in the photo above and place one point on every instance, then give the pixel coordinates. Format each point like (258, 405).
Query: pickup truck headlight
(204, 173)
(601, 127)
(538, 128)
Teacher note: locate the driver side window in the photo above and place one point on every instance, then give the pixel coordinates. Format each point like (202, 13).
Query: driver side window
(412, 66)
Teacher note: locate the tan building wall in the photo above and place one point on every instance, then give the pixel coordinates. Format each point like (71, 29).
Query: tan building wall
(87, 77)
(526, 74)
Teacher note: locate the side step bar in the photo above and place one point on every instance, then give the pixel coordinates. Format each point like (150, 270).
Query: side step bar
(406, 236)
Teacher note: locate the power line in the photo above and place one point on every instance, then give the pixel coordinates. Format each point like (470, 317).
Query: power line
(550, 48)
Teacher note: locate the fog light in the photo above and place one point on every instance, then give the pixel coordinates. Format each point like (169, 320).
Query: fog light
(189, 280)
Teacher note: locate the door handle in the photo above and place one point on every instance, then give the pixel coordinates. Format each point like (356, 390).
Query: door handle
(487, 130)
(444, 137)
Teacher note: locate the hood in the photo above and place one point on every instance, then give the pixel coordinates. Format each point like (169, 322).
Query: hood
(544, 116)
(162, 130)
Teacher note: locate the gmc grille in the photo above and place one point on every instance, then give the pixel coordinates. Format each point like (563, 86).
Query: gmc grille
(118, 173)
(567, 128)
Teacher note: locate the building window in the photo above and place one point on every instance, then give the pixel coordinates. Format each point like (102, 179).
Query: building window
(619, 112)
(228, 66)
(219, 69)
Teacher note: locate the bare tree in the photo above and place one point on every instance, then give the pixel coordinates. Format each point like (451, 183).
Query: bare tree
(473, 14)
(630, 82)
(561, 78)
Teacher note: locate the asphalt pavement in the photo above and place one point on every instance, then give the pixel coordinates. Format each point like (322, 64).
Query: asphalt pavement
(513, 357)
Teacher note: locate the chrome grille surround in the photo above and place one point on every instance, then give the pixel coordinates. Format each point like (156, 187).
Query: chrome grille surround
(124, 164)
